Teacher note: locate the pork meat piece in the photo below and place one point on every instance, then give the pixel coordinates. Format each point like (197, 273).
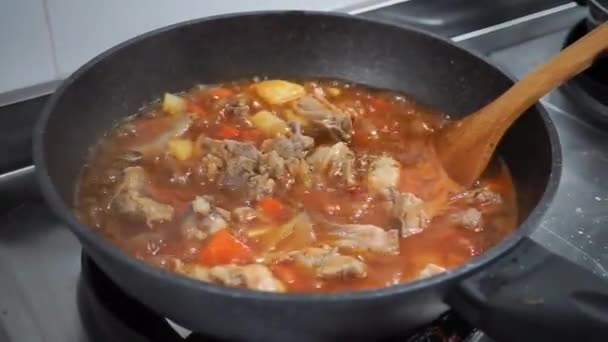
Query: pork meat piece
(131, 200)
(211, 167)
(254, 276)
(481, 196)
(227, 149)
(322, 113)
(244, 214)
(204, 219)
(296, 145)
(238, 170)
(365, 237)
(328, 263)
(409, 210)
(238, 159)
(337, 161)
(383, 175)
(275, 164)
(193, 271)
(241, 162)
(283, 156)
(469, 218)
(260, 186)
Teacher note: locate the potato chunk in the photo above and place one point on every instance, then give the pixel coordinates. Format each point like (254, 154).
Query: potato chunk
(279, 91)
(181, 149)
(174, 104)
(269, 124)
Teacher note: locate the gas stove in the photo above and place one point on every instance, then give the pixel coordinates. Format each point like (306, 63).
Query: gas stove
(50, 291)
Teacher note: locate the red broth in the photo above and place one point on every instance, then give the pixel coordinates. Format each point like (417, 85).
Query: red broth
(271, 186)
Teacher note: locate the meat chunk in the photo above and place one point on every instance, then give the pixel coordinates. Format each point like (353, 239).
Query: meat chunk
(409, 210)
(283, 156)
(383, 174)
(201, 205)
(430, 270)
(328, 263)
(239, 160)
(227, 161)
(365, 237)
(337, 161)
(260, 186)
(254, 276)
(211, 167)
(286, 171)
(204, 219)
(241, 163)
(296, 145)
(192, 229)
(244, 214)
(322, 113)
(193, 271)
(275, 164)
(227, 149)
(469, 218)
(481, 196)
(131, 200)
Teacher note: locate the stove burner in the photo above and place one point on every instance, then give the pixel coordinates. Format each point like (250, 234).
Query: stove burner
(109, 314)
(590, 88)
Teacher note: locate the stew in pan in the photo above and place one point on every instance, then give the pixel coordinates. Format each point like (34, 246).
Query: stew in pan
(290, 186)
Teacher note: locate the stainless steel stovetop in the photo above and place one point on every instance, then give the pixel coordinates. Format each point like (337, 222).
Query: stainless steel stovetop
(40, 263)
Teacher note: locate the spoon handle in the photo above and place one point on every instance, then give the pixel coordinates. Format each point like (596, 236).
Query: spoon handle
(477, 135)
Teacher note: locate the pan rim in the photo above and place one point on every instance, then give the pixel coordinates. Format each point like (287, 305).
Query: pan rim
(89, 236)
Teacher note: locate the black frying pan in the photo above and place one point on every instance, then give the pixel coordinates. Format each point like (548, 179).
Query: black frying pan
(517, 291)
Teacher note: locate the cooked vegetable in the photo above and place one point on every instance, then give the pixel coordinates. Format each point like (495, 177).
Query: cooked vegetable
(272, 207)
(224, 248)
(334, 91)
(174, 104)
(178, 127)
(181, 149)
(300, 223)
(249, 134)
(279, 91)
(315, 186)
(228, 132)
(269, 123)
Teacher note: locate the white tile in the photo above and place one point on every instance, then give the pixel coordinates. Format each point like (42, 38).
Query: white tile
(25, 48)
(84, 28)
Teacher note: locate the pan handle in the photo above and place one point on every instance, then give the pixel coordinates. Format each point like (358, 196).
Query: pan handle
(534, 295)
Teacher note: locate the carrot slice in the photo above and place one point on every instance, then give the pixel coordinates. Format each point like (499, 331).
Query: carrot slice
(271, 207)
(223, 248)
(250, 134)
(220, 92)
(229, 132)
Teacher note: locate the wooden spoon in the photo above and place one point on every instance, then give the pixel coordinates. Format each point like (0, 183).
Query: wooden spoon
(465, 147)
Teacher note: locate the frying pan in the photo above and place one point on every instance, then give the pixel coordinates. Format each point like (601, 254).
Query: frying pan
(516, 291)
